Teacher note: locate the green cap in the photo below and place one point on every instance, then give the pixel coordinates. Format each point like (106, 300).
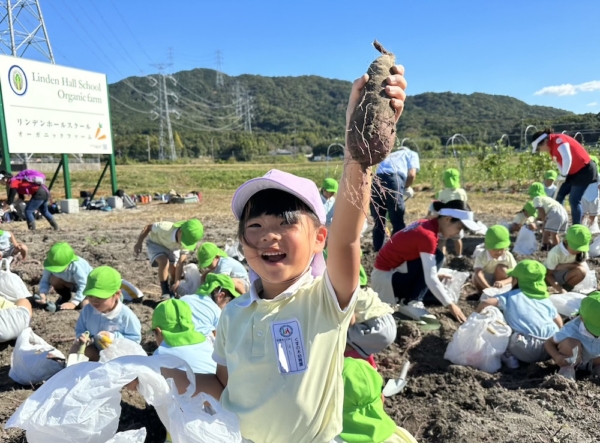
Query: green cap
(330, 185)
(363, 279)
(103, 282)
(497, 237)
(59, 257)
(590, 313)
(531, 276)
(530, 209)
(579, 238)
(192, 232)
(214, 281)
(364, 418)
(537, 190)
(174, 318)
(207, 253)
(550, 175)
(1, 232)
(451, 178)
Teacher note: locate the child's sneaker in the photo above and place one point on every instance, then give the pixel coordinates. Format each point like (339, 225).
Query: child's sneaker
(510, 360)
(416, 310)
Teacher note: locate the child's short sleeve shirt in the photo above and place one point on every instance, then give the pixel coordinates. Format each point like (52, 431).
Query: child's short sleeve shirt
(369, 306)
(284, 359)
(165, 235)
(576, 329)
(559, 255)
(546, 203)
(485, 261)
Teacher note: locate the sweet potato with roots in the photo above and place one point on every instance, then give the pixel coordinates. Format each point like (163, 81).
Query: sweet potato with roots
(372, 125)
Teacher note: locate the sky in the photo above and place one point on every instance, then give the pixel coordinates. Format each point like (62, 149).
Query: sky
(543, 52)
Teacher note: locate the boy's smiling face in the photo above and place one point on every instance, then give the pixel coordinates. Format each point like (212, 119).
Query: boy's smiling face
(104, 305)
(280, 252)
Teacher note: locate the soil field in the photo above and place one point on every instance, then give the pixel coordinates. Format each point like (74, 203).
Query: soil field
(442, 402)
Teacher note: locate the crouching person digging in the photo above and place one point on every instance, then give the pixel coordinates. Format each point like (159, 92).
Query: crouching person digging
(105, 317)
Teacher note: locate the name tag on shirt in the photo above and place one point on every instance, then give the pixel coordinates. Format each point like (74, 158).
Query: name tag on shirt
(289, 347)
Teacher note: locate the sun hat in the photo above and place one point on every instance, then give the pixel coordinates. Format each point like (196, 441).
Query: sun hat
(214, 281)
(451, 178)
(497, 237)
(207, 253)
(192, 232)
(590, 312)
(531, 276)
(465, 216)
(59, 257)
(330, 185)
(364, 418)
(174, 318)
(103, 282)
(578, 238)
(302, 188)
(537, 190)
(537, 141)
(530, 209)
(550, 175)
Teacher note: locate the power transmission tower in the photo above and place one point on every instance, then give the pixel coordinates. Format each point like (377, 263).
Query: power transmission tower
(163, 112)
(219, 64)
(22, 27)
(248, 111)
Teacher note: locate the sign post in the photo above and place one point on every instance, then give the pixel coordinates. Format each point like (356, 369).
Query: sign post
(51, 109)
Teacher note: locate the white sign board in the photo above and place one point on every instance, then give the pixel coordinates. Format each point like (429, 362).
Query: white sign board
(51, 109)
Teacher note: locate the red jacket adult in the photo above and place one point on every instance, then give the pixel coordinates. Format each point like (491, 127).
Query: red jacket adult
(568, 154)
(22, 187)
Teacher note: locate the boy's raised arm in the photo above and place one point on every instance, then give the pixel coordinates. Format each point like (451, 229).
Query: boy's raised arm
(352, 203)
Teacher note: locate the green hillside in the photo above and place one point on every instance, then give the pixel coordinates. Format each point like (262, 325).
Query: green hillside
(300, 114)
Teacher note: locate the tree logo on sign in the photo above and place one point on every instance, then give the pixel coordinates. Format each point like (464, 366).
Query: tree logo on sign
(17, 80)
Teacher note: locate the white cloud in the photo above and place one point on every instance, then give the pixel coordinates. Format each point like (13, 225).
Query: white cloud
(569, 89)
(592, 104)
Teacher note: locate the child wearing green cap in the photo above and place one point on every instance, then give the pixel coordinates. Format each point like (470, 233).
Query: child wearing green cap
(105, 316)
(452, 191)
(549, 182)
(206, 305)
(328, 192)
(168, 246)
(10, 247)
(176, 335)
(212, 259)
(525, 216)
(529, 312)
(364, 416)
(582, 333)
(566, 262)
(492, 263)
(67, 273)
(552, 214)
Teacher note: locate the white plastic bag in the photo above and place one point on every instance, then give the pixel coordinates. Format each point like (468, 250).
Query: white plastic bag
(121, 347)
(493, 292)
(232, 249)
(526, 243)
(588, 284)
(135, 436)
(12, 287)
(567, 304)
(595, 247)
(29, 362)
(480, 341)
(130, 291)
(191, 280)
(455, 284)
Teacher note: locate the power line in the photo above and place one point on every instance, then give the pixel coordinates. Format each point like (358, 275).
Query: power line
(114, 99)
(130, 31)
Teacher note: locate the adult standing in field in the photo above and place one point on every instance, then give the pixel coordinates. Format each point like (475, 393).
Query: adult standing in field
(395, 176)
(21, 185)
(576, 168)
